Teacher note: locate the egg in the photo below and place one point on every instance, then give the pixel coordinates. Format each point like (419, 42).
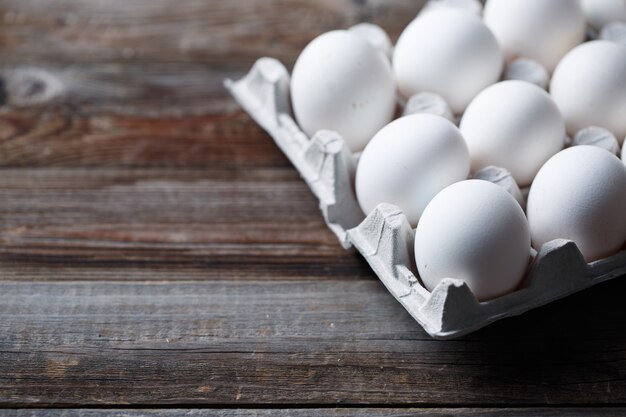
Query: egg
(473, 6)
(447, 51)
(536, 29)
(580, 195)
(341, 82)
(376, 36)
(589, 86)
(474, 231)
(408, 162)
(602, 12)
(514, 125)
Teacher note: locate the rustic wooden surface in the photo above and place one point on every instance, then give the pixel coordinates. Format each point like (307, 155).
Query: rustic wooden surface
(159, 252)
(335, 412)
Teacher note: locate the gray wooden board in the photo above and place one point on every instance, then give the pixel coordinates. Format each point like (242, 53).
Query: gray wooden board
(332, 342)
(218, 31)
(165, 224)
(354, 412)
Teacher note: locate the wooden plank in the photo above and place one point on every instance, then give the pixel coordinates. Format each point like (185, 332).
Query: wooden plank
(61, 137)
(155, 89)
(140, 83)
(175, 115)
(225, 31)
(130, 224)
(321, 412)
(333, 342)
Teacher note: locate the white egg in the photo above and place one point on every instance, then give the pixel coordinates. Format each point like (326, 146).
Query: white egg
(514, 125)
(409, 161)
(474, 231)
(340, 82)
(449, 52)
(589, 86)
(543, 30)
(473, 6)
(580, 194)
(375, 35)
(601, 12)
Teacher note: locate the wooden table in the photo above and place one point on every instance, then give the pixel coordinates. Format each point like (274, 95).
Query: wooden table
(159, 253)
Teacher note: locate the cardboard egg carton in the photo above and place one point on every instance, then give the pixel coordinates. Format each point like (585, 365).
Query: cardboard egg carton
(385, 238)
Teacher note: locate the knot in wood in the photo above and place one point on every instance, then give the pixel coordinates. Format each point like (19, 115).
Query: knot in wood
(31, 86)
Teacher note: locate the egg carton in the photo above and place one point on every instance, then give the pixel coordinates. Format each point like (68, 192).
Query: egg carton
(385, 238)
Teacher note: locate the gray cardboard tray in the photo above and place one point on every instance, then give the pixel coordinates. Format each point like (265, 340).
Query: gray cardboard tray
(385, 238)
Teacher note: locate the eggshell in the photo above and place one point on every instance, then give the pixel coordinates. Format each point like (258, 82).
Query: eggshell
(537, 29)
(514, 125)
(340, 82)
(474, 231)
(408, 162)
(447, 51)
(601, 12)
(376, 36)
(473, 6)
(589, 86)
(580, 195)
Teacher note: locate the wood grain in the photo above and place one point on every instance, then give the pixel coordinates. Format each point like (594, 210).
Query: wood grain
(175, 89)
(140, 83)
(234, 32)
(333, 342)
(353, 412)
(166, 224)
(133, 130)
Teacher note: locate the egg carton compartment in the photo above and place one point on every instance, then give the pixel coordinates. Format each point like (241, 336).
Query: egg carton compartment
(385, 238)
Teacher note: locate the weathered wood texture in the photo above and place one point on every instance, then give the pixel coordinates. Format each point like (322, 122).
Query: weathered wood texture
(227, 32)
(140, 83)
(221, 224)
(186, 121)
(332, 342)
(353, 412)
